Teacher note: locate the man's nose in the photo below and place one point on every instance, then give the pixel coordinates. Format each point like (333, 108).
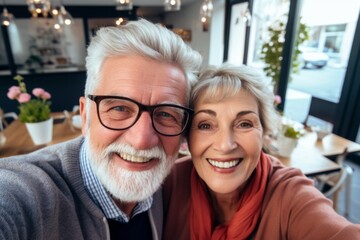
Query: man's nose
(142, 135)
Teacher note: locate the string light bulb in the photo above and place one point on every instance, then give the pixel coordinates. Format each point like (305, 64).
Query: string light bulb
(6, 18)
(39, 7)
(62, 16)
(124, 5)
(120, 21)
(205, 14)
(172, 5)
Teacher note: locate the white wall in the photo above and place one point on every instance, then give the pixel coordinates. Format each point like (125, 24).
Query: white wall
(189, 18)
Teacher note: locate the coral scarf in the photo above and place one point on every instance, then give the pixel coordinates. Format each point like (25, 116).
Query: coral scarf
(244, 220)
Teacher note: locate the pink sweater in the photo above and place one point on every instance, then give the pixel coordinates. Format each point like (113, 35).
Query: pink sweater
(292, 208)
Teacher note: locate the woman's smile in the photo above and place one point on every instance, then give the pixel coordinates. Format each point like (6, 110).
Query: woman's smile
(224, 164)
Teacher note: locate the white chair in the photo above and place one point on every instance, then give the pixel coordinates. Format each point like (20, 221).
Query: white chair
(334, 182)
(4, 122)
(6, 118)
(76, 109)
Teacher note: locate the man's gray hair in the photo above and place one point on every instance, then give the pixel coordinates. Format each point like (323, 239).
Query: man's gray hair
(141, 38)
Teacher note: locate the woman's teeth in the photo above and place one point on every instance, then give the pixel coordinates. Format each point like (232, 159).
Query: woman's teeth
(135, 159)
(222, 164)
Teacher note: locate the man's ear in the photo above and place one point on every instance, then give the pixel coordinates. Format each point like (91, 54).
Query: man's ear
(82, 109)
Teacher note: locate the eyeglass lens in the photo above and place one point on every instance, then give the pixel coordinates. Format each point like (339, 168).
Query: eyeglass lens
(119, 114)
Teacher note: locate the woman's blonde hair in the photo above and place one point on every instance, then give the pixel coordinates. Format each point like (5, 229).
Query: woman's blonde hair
(217, 83)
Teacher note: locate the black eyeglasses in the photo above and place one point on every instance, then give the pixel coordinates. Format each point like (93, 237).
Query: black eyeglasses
(120, 113)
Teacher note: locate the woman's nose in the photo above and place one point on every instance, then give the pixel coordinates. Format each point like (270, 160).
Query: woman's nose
(224, 141)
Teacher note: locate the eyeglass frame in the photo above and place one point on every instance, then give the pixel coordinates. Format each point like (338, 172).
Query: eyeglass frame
(142, 108)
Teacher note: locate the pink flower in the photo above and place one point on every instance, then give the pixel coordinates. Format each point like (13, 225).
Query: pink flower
(13, 92)
(41, 93)
(24, 97)
(38, 92)
(277, 99)
(46, 95)
(35, 110)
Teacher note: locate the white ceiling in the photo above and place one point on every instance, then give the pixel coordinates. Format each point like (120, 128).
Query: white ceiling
(100, 2)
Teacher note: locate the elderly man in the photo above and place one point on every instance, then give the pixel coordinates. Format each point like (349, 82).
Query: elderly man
(105, 185)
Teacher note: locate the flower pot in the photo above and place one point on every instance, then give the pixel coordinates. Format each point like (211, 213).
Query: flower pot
(286, 145)
(41, 132)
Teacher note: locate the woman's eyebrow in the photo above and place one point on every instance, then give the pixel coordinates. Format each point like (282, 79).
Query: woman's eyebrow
(242, 113)
(206, 111)
(213, 113)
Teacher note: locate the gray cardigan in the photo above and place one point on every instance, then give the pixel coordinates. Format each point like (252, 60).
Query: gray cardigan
(42, 196)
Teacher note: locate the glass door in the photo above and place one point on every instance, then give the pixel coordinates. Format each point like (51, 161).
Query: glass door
(316, 84)
(240, 18)
(325, 54)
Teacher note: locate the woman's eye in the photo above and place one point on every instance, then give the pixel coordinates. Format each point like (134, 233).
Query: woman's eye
(204, 126)
(245, 125)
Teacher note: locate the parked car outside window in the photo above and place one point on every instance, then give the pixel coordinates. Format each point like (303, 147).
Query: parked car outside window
(313, 58)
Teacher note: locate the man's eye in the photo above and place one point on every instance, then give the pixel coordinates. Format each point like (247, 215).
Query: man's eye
(118, 108)
(121, 112)
(163, 115)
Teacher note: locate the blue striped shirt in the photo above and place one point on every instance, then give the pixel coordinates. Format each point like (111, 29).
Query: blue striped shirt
(101, 197)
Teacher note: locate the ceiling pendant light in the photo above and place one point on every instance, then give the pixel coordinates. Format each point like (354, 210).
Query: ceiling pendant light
(54, 11)
(39, 7)
(205, 14)
(124, 5)
(62, 17)
(172, 5)
(6, 17)
(120, 21)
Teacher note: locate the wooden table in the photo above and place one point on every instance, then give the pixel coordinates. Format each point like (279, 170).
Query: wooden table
(310, 155)
(18, 140)
(310, 161)
(330, 145)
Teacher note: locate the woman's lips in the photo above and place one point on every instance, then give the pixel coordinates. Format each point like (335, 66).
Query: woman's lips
(224, 164)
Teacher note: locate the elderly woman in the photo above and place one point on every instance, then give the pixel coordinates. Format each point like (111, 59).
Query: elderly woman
(233, 190)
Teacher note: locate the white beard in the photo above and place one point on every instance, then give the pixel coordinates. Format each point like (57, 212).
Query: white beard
(125, 185)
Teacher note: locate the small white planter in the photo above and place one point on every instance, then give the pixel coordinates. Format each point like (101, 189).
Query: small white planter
(286, 145)
(41, 132)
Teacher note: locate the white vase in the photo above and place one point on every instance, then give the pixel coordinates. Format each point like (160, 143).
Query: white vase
(41, 132)
(286, 145)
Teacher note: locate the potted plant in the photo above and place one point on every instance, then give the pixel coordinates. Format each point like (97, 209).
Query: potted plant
(271, 50)
(35, 113)
(291, 132)
(288, 139)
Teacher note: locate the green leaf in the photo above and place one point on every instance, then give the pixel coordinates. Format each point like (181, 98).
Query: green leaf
(271, 51)
(35, 110)
(291, 132)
